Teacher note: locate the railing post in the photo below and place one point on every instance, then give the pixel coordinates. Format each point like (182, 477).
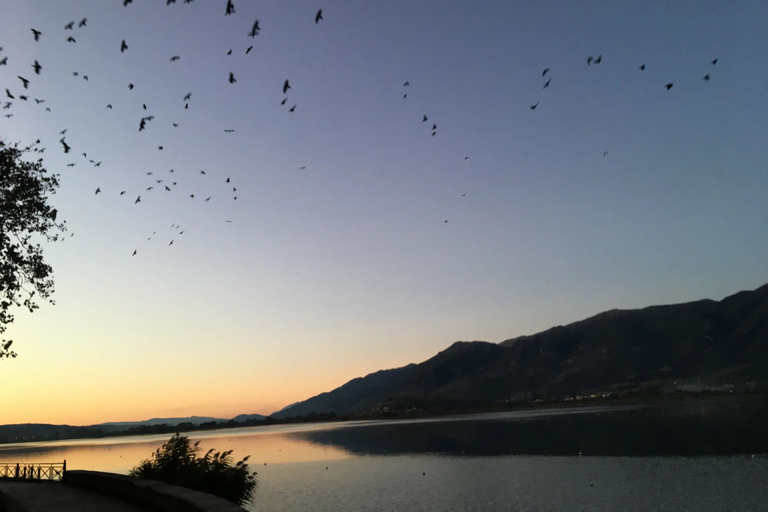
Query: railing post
(17, 471)
(64, 469)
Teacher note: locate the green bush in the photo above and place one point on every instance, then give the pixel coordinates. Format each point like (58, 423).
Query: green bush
(178, 463)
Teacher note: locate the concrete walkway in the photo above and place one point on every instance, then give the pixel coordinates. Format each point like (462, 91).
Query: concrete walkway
(55, 496)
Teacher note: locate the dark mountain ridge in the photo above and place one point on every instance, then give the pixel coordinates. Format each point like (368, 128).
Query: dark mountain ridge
(710, 343)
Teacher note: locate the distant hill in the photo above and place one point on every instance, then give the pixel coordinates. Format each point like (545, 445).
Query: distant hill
(701, 344)
(195, 420)
(248, 417)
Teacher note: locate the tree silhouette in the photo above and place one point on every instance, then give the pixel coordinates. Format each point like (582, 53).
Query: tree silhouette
(178, 463)
(26, 218)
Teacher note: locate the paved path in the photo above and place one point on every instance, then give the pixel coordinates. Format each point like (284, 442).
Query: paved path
(55, 497)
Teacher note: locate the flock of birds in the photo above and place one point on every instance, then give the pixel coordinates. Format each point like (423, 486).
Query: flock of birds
(167, 183)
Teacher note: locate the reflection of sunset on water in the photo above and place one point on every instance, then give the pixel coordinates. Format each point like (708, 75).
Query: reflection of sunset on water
(119, 455)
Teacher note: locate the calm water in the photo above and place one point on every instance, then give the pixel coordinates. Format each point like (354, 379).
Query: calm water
(638, 459)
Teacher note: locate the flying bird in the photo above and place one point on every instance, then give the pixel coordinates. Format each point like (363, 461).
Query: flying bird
(714, 62)
(706, 77)
(175, 125)
(85, 77)
(434, 127)
(228, 131)
(169, 2)
(122, 193)
(281, 103)
(150, 188)
(533, 107)
(23, 98)
(407, 84)
(126, 2)
(75, 73)
(82, 22)
(188, 96)
(230, 8)
(62, 132)
(69, 26)
(424, 119)
(605, 153)
(144, 106)
(134, 253)
(138, 200)
(232, 78)
(24, 81)
(4, 61)
(292, 108)
(599, 59)
(175, 58)
(208, 198)
(668, 86)
(255, 29)
(37, 67)
(66, 146)
(71, 39)
(227, 180)
(98, 190)
(171, 243)
(123, 46)
(546, 70)
(130, 87)
(202, 172)
(36, 34)
(248, 50)
(589, 60)
(286, 86)
(642, 67)
(318, 16)
(160, 148)
(109, 106)
(8, 93)
(547, 84)
(229, 52)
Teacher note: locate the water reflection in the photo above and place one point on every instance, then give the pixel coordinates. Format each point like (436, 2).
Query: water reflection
(701, 428)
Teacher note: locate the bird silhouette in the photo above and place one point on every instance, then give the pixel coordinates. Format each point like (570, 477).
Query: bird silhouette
(167, 188)
(230, 8)
(169, 2)
(126, 2)
(8, 93)
(642, 67)
(407, 84)
(599, 59)
(143, 124)
(292, 108)
(123, 46)
(202, 172)
(668, 86)
(281, 103)
(227, 180)
(286, 86)
(24, 81)
(36, 34)
(232, 78)
(85, 77)
(39, 101)
(82, 22)
(228, 131)
(130, 87)
(434, 127)
(208, 199)
(533, 107)
(71, 39)
(144, 106)
(37, 67)
(122, 193)
(547, 84)
(109, 106)
(229, 52)
(134, 253)
(605, 153)
(589, 60)
(424, 119)
(188, 96)
(255, 29)
(706, 78)
(150, 188)
(175, 58)
(160, 148)
(248, 50)
(175, 125)
(66, 146)
(23, 98)
(546, 70)
(138, 200)
(714, 62)
(62, 132)
(98, 190)
(4, 61)
(318, 16)
(69, 26)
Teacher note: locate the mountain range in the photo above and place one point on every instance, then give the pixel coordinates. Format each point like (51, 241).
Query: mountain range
(696, 346)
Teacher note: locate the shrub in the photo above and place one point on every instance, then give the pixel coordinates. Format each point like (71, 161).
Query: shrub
(177, 462)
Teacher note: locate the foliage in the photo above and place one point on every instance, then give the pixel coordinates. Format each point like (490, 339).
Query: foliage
(178, 463)
(25, 216)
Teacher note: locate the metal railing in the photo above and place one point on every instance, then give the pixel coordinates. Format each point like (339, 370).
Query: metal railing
(33, 470)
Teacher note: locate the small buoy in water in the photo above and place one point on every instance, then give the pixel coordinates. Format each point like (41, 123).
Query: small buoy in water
(591, 484)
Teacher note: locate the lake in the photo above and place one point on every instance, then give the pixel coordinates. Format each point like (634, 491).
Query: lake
(697, 456)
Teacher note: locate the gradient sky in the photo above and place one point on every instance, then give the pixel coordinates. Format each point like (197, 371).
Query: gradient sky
(347, 266)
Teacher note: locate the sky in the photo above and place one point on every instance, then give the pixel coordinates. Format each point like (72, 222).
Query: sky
(358, 240)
